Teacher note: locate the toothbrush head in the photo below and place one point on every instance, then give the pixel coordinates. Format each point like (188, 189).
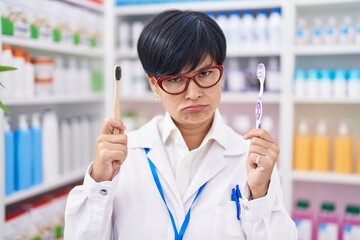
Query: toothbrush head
(117, 72)
(260, 72)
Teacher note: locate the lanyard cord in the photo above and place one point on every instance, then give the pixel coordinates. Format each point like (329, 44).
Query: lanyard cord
(178, 235)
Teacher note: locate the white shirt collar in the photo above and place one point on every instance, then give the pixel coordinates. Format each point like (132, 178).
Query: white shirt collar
(217, 132)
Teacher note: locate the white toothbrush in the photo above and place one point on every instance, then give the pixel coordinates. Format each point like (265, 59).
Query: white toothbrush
(260, 74)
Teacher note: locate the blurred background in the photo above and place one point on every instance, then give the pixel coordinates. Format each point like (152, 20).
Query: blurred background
(65, 50)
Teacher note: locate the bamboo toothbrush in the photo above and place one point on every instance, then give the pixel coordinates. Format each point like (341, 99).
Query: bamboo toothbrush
(116, 107)
(260, 74)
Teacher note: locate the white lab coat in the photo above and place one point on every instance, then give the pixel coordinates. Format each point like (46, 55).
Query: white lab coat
(130, 207)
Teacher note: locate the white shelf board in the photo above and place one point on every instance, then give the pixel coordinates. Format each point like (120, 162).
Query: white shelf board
(308, 3)
(87, 4)
(150, 9)
(332, 100)
(327, 50)
(53, 47)
(66, 99)
(39, 189)
(302, 176)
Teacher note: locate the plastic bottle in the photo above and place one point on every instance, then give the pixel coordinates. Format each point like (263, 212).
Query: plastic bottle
(236, 81)
(84, 77)
(300, 82)
(350, 229)
(9, 158)
(44, 72)
(340, 84)
(76, 143)
(29, 77)
(66, 163)
(36, 154)
(222, 21)
(302, 36)
(331, 32)
(325, 84)
(303, 220)
(86, 153)
(273, 76)
(327, 223)
(357, 31)
(260, 30)
(7, 78)
(274, 27)
(248, 29)
(353, 86)
(347, 31)
(343, 150)
(59, 76)
(124, 36)
(313, 84)
(321, 149)
(317, 31)
(234, 26)
(19, 74)
(302, 147)
(50, 137)
(71, 83)
(23, 148)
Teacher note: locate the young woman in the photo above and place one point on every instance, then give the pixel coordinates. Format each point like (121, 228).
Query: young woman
(184, 175)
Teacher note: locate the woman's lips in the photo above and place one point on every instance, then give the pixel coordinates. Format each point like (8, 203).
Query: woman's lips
(195, 108)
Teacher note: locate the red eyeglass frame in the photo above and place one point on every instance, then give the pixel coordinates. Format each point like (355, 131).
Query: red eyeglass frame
(161, 79)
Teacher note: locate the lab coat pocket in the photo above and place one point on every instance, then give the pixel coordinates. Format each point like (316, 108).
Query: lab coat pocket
(227, 226)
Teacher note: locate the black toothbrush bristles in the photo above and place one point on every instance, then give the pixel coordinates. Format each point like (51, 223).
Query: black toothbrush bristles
(117, 72)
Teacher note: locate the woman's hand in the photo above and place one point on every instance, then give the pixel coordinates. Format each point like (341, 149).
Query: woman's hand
(110, 151)
(263, 154)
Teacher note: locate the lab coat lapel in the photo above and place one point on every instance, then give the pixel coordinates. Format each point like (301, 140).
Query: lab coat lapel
(213, 162)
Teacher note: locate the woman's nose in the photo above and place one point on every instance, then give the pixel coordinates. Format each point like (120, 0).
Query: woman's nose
(193, 91)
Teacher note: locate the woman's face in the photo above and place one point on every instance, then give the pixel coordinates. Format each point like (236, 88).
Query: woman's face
(196, 105)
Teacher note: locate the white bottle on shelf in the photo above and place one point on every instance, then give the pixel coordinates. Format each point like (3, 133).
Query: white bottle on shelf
(331, 31)
(273, 76)
(260, 29)
(357, 31)
(29, 72)
(222, 21)
(59, 76)
(300, 83)
(248, 29)
(339, 87)
(236, 81)
(76, 143)
(7, 78)
(19, 74)
(124, 36)
(50, 148)
(84, 77)
(66, 165)
(325, 84)
(317, 36)
(274, 27)
(86, 153)
(72, 80)
(347, 31)
(312, 87)
(353, 86)
(235, 27)
(302, 32)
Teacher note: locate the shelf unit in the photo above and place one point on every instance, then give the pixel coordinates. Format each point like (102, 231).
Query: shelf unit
(64, 105)
(341, 189)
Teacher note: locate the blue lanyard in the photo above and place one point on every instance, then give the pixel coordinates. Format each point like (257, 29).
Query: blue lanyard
(178, 235)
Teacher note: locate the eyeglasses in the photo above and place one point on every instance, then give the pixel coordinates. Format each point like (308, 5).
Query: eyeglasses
(205, 78)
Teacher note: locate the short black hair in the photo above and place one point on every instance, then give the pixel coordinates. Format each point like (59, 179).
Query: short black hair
(174, 39)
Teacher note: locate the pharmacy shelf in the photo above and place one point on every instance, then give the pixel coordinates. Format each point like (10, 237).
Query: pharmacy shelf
(87, 4)
(36, 190)
(332, 100)
(310, 3)
(66, 99)
(239, 52)
(302, 176)
(327, 50)
(150, 9)
(53, 47)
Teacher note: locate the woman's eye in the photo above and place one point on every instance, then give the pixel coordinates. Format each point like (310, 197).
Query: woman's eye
(173, 80)
(204, 74)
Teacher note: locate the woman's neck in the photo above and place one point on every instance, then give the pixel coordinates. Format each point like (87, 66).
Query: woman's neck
(194, 135)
